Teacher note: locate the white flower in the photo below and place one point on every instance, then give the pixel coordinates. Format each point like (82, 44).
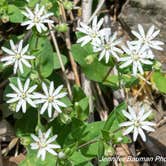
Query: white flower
(147, 39)
(43, 142)
(137, 123)
(137, 55)
(17, 56)
(37, 18)
(107, 45)
(92, 33)
(50, 98)
(22, 95)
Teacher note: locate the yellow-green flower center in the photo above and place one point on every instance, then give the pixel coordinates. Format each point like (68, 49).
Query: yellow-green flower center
(107, 46)
(18, 56)
(36, 20)
(23, 95)
(93, 35)
(136, 123)
(135, 57)
(50, 99)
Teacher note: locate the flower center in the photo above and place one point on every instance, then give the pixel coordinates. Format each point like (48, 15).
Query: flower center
(50, 99)
(145, 41)
(36, 20)
(135, 57)
(17, 56)
(136, 123)
(107, 46)
(93, 35)
(23, 95)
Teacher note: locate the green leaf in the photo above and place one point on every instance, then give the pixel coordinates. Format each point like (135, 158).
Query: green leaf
(46, 60)
(78, 158)
(81, 109)
(159, 80)
(32, 160)
(78, 93)
(56, 61)
(27, 123)
(15, 14)
(115, 116)
(111, 128)
(93, 69)
(113, 81)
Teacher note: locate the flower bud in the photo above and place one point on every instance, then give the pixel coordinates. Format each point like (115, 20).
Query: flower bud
(89, 59)
(65, 118)
(157, 65)
(5, 18)
(34, 75)
(25, 140)
(61, 155)
(109, 150)
(68, 5)
(49, 5)
(63, 27)
(12, 107)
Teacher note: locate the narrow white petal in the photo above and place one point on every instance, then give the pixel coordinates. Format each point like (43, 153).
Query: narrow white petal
(26, 85)
(12, 45)
(44, 107)
(13, 100)
(35, 138)
(141, 133)
(150, 31)
(47, 134)
(60, 103)
(145, 116)
(128, 130)
(52, 151)
(50, 110)
(45, 89)
(19, 105)
(19, 84)
(51, 89)
(24, 106)
(141, 30)
(52, 139)
(60, 95)
(10, 52)
(128, 123)
(25, 49)
(129, 62)
(148, 128)
(56, 107)
(135, 134)
(127, 115)
(57, 90)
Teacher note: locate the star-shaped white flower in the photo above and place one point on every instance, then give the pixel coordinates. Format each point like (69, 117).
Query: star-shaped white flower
(108, 45)
(147, 39)
(37, 18)
(44, 143)
(137, 123)
(50, 98)
(22, 95)
(17, 56)
(137, 56)
(92, 32)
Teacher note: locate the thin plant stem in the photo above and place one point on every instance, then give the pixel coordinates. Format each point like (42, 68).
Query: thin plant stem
(60, 60)
(68, 44)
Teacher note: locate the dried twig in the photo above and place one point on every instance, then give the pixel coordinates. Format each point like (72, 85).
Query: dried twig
(99, 6)
(142, 86)
(60, 60)
(1, 163)
(68, 44)
(86, 84)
